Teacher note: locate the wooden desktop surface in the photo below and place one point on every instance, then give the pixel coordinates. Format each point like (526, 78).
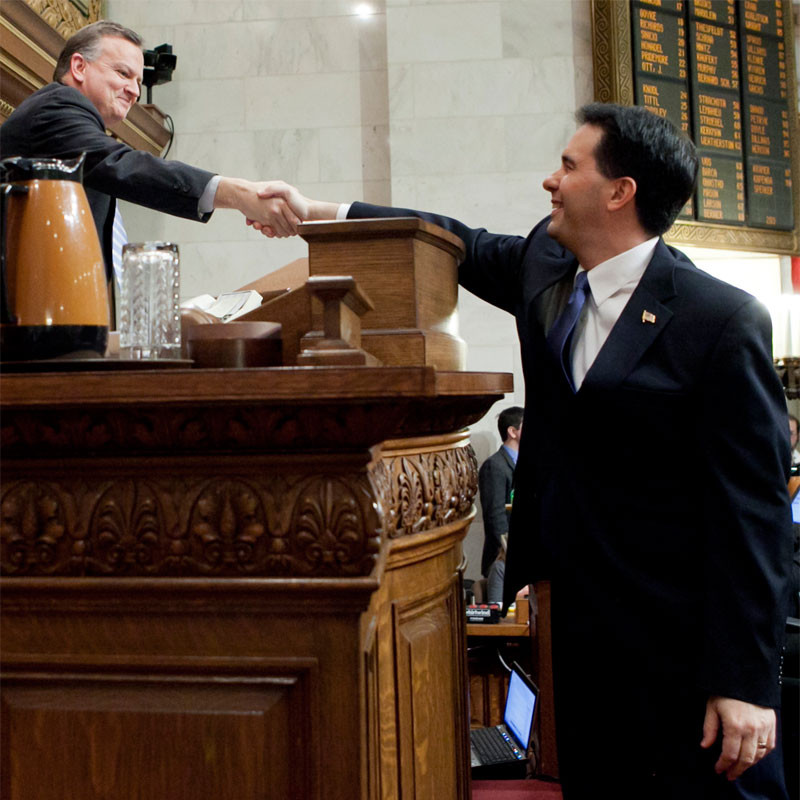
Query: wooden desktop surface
(506, 628)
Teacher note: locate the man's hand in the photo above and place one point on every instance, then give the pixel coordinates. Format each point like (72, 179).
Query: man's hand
(748, 734)
(263, 203)
(304, 208)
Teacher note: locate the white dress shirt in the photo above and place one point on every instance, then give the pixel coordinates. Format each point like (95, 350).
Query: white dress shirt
(205, 205)
(612, 283)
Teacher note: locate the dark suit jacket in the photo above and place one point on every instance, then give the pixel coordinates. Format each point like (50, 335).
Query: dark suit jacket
(59, 122)
(495, 479)
(674, 549)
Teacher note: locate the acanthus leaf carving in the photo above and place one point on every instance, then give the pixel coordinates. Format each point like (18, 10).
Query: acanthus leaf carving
(426, 490)
(123, 530)
(273, 522)
(33, 525)
(329, 522)
(64, 16)
(226, 526)
(269, 524)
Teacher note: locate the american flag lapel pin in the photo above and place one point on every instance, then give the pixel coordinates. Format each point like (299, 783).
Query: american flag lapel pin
(647, 316)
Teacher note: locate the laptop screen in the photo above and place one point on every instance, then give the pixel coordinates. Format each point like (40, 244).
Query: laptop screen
(520, 705)
(796, 507)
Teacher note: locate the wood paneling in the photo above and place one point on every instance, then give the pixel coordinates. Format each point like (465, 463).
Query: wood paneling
(543, 675)
(428, 760)
(239, 736)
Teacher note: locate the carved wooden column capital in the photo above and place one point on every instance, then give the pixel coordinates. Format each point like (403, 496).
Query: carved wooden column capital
(426, 483)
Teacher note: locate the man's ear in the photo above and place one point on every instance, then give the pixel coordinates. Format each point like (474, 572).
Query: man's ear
(623, 191)
(77, 67)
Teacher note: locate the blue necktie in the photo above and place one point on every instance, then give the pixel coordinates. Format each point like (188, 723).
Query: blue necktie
(558, 339)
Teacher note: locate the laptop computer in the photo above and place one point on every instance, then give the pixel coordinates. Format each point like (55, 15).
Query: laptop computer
(501, 751)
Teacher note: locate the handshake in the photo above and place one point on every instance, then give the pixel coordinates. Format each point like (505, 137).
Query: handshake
(273, 207)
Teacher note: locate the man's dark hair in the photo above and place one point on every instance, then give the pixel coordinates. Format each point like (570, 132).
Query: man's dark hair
(88, 42)
(639, 144)
(509, 418)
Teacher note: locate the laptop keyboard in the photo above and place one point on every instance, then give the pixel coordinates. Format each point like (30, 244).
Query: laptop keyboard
(492, 748)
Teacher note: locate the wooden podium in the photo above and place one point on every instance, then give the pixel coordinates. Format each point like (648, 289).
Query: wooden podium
(406, 267)
(409, 268)
(236, 583)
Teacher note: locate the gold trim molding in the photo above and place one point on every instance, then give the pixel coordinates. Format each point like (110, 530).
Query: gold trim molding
(20, 72)
(14, 31)
(64, 16)
(613, 83)
(611, 37)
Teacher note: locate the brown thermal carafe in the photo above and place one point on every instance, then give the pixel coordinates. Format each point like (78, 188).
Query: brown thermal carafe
(54, 292)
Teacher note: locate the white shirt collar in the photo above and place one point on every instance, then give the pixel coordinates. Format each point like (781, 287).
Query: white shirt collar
(623, 269)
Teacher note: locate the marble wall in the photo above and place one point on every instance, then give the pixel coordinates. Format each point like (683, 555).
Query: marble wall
(452, 106)
(481, 102)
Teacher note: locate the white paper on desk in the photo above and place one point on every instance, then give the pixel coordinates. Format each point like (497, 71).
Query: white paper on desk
(227, 306)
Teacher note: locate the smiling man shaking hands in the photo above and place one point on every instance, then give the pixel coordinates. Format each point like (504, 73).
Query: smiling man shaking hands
(669, 559)
(97, 80)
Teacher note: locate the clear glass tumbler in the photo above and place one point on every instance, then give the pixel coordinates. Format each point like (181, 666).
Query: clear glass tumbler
(149, 313)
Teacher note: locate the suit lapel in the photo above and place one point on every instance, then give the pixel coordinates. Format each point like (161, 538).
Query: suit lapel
(548, 286)
(507, 457)
(642, 320)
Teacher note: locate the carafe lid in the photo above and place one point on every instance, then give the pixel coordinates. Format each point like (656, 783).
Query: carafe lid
(20, 168)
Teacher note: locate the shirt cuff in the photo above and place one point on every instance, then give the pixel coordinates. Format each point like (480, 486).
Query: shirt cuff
(343, 210)
(205, 205)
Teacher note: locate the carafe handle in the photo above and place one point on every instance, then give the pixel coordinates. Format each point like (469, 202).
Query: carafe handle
(7, 316)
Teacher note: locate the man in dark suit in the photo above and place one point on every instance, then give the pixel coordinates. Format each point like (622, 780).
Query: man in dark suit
(97, 80)
(495, 480)
(669, 559)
